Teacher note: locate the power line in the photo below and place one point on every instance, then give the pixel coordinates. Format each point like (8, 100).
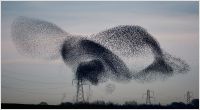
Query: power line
(33, 88)
(8, 71)
(31, 92)
(33, 81)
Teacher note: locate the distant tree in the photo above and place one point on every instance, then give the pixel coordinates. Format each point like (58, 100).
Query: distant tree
(177, 105)
(43, 103)
(133, 102)
(100, 102)
(110, 103)
(66, 103)
(195, 103)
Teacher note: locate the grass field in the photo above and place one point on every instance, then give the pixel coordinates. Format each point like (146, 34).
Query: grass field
(101, 105)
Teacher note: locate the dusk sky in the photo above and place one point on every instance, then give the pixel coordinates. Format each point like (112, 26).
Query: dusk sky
(30, 80)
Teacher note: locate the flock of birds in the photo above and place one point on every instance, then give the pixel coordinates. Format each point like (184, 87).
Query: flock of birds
(98, 57)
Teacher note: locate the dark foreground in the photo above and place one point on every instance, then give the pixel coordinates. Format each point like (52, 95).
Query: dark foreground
(67, 105)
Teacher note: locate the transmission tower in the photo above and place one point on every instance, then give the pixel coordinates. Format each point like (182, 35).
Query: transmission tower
(189, 96)
(79, 91)
(80, 96)
(149, 95)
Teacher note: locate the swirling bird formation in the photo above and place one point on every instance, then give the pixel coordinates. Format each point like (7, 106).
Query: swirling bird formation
(99, 57)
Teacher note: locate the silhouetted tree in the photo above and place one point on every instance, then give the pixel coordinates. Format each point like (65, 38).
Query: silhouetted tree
(133, 102)
(100, 102)
(43, 103)
(195, 103)
(177, 105)
(66, 103)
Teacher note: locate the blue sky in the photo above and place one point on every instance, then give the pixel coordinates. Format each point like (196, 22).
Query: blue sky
(173, 24)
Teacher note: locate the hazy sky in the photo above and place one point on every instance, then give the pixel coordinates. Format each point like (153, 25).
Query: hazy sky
(173, 24)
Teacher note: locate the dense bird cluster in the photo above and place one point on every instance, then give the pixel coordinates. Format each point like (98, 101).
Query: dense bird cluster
(98, 57)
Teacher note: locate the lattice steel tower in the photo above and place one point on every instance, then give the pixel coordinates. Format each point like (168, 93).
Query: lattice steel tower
(149, 95)
(188, 97)
(80, 92)
(80, 95)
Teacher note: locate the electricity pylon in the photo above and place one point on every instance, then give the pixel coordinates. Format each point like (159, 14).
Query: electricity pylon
(80, 96)
(188, 96)
(80, 92)
(149, 95)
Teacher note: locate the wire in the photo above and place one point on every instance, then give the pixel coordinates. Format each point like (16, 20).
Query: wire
(35, 88)
(41, 82)
(35, 92)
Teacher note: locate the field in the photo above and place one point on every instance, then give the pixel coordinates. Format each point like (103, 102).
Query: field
(102, 105)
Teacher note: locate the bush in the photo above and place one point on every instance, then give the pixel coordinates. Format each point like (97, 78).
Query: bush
(130, 102)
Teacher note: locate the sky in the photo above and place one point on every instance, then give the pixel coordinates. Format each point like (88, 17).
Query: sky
(29, 80)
